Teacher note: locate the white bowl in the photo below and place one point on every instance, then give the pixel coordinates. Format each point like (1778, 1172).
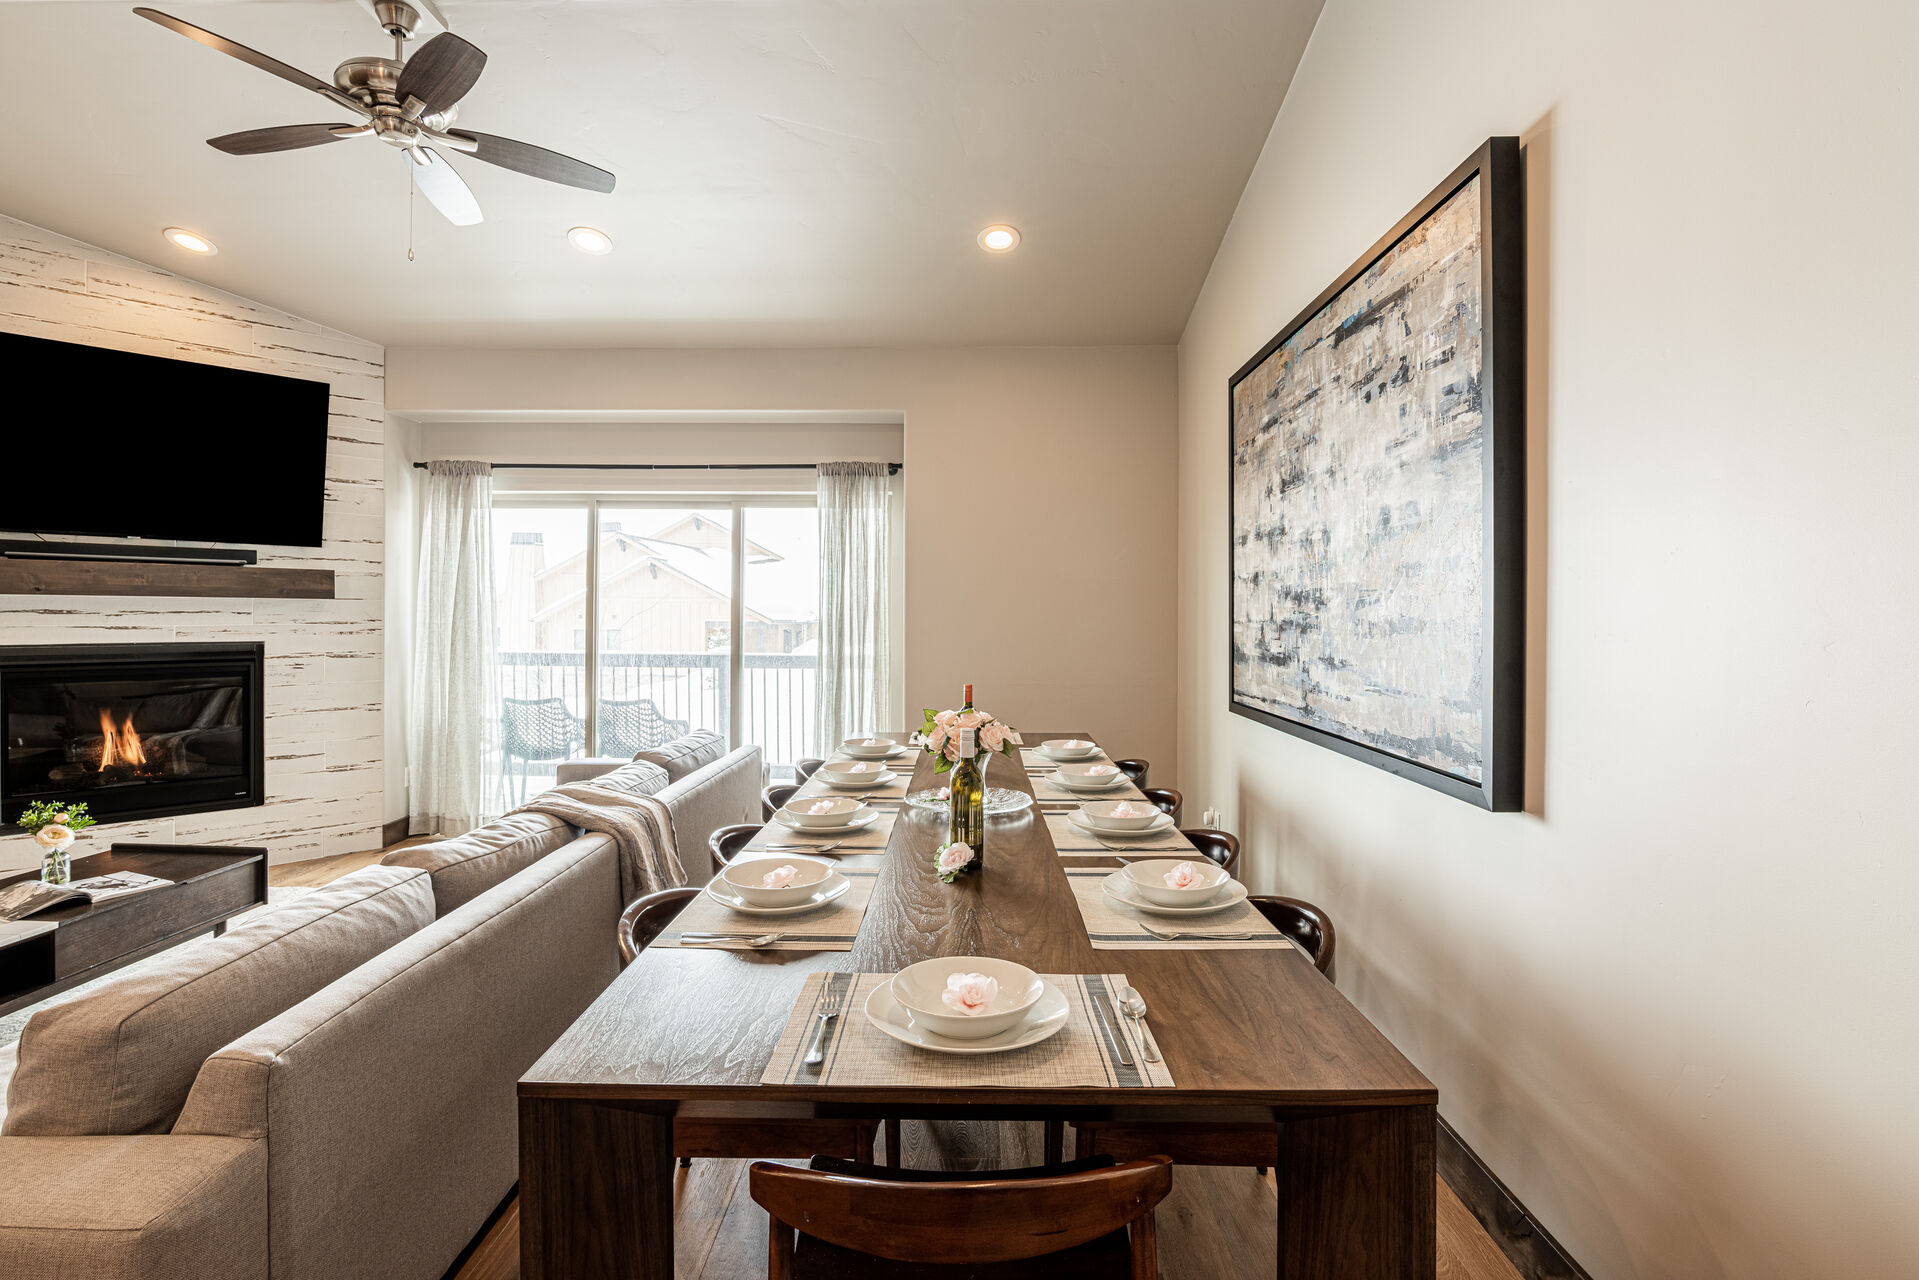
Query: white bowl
(806, 811)
(918, 988)
(849, 771)
(745, 877)
(870, 747)
(1087, 775)
(1150, 879)
(1068, 748)
(1138, 815)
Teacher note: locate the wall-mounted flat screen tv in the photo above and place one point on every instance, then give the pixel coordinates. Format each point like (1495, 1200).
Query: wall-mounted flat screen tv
(103, 443)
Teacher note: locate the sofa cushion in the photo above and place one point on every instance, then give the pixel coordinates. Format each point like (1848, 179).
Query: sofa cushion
(640, 778)
(467, 866)
(686, 753)
(719, 795)
(121, 1059)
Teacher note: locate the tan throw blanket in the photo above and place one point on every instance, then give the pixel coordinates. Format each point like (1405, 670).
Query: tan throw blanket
(640, 825)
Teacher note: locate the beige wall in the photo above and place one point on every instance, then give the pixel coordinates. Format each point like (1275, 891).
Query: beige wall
(1011, 455)
(1673, 1005)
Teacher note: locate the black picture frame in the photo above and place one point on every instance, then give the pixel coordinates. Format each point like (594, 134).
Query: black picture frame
(1503, 387)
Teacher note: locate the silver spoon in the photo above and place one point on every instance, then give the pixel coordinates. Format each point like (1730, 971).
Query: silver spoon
(1135, 1006)
(797, 848)
(714, 939)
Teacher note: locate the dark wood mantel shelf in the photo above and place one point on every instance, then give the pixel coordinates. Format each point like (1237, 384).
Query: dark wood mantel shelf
(117, 578)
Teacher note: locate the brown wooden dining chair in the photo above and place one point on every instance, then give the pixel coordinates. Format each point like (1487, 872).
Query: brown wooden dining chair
(1134, 769)
(803, 769)
(741, 1131)
(1221, 846)
(726, 842)
(774, 796)
(1165, 799)
(843, 1220)
(1310, 928)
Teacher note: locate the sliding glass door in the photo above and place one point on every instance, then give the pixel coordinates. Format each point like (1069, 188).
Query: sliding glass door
(692, 627)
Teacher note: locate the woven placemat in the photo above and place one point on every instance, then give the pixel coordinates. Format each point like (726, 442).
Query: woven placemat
(830, 927)
(859, 1055)
(872, 839)
(1069, 839)
(1114, 926)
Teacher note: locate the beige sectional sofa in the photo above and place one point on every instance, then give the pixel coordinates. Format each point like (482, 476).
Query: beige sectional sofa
(327, 1090)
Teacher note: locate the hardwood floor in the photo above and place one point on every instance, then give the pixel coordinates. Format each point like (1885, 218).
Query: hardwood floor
(1217, 1223)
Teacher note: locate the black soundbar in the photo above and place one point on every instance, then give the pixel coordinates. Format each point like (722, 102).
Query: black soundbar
(16, 549)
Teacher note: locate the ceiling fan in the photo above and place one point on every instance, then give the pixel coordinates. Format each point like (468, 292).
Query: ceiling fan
(406, 102)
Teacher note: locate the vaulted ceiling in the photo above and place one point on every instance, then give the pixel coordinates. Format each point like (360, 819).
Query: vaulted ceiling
(790, 172)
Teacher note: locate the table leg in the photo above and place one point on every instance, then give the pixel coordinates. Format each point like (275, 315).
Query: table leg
(596, 1190)
(1356, 1196)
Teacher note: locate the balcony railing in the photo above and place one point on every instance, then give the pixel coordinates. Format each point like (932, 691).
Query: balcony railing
(692, 687)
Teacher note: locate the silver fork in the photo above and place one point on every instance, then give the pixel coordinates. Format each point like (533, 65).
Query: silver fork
(829, 1011)
(796, 848)
(1170, 935)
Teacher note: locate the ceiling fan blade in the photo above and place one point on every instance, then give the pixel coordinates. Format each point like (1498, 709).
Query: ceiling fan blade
(285, 137)
(252, 57)
(442, 72)
(524, 157)
(445, 189)
(432, 11)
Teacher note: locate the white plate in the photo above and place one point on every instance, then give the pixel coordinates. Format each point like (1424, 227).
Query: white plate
(723, 893)
(867, 782)
(1087, 755)
(1043, 1021)
(1158, 827)
(863, 817)
(893, 752)
(1120, 889)
(1059, 780)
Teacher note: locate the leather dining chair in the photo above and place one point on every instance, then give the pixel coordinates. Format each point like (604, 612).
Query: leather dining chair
(736, 1131)
(774, 796)
(1165, 799)
(803, 769)
(844, 1220)
(1221, 846)
(726, 842)
(1134, 769)
(1310, 928)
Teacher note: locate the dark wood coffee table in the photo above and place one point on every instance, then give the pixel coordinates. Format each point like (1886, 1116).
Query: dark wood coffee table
(210, 884)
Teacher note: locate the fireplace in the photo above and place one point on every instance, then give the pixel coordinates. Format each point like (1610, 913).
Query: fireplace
(133, 730)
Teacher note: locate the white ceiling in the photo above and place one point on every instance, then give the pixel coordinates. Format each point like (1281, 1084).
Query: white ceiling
(791, 172)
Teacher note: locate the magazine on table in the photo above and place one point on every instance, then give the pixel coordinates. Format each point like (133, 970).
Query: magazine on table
(30, 897)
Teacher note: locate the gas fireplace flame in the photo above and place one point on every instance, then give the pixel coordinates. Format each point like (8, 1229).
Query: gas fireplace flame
(122, 745)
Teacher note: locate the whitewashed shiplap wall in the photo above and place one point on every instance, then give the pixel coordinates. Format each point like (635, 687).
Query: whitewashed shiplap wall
(324, 672)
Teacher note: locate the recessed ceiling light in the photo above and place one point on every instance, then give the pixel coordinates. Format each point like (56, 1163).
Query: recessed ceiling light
(999, 238)
(590, 240)
(184, 239)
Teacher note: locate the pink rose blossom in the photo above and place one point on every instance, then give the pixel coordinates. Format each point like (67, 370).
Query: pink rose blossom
(968, 720)
(821, 806)
(969, 993)
(1101, 770)
(936, 740)
(859, 768)
(952, 751)
(1125, 809)
(946, 720)
(955, 856)
(992, 736)
(1183, 876)
(779, 877)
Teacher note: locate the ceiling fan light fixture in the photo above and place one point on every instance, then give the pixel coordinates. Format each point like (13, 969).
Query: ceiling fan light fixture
(590, 240)
(192, 242)
(999, 238)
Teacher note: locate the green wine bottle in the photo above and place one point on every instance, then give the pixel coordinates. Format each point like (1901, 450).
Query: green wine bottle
(967, 823)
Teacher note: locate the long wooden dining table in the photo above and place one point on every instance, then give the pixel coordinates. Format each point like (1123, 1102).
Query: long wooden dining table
(1256, 1032)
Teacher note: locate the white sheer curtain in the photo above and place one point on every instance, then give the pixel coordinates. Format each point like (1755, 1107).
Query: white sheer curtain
(454, 708)
(855, 651)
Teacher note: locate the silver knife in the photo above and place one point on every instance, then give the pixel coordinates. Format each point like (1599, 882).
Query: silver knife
(1110, 1020)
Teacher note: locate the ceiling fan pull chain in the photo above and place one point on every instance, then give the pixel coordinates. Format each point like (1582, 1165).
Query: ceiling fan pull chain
(411, 187)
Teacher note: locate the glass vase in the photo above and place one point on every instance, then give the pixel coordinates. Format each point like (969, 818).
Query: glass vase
(56, 867)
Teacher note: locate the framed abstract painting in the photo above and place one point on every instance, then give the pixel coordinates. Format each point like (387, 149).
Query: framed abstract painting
(1378, 495)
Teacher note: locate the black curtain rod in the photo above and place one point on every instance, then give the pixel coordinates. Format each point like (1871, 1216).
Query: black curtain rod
(892, 468)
